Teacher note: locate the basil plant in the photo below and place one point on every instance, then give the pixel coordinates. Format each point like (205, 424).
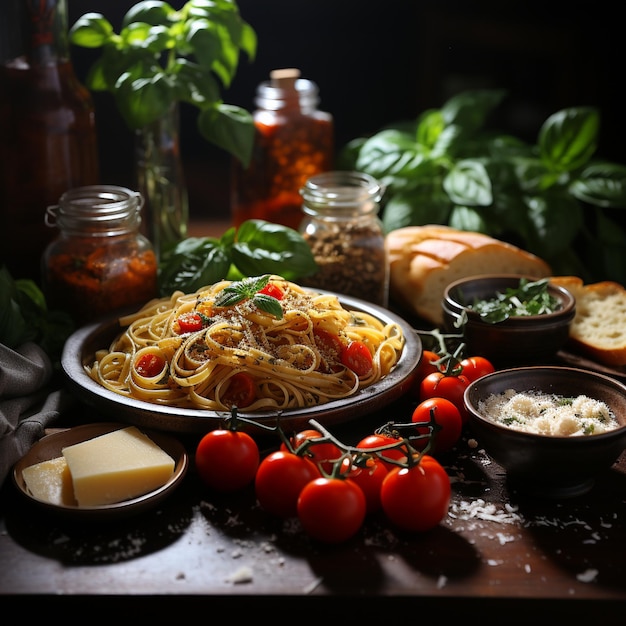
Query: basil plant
(162, 56)
(553, 198)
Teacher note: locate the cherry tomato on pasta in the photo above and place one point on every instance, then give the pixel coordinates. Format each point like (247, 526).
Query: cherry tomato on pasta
(357, 356)
(446, 415)
(323, 454)
(227, 460)
(475, 367)
(328, 342)
(150, 365)
(272, 290)
(450, 387)
(331, 510)
(241, 391)
(279, 480)
(416, 498)
(190, 322)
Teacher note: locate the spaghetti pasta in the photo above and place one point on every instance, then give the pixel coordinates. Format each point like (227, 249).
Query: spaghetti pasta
(271, 329)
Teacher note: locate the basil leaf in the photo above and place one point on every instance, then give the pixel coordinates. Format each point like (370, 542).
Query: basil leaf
(265, 248)
(192, 264)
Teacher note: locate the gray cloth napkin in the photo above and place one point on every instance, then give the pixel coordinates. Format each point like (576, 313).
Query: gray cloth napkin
(28, 404)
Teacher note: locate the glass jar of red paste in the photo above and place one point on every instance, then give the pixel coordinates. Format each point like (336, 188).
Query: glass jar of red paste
(294, 140)
(99, 264)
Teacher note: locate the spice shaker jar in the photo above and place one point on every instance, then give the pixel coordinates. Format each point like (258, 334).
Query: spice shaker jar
(99, 263)
(346, 236)
(293, 141)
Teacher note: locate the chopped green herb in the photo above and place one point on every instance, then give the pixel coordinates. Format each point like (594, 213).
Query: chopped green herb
(529, 298)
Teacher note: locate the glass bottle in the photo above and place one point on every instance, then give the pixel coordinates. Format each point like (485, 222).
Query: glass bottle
(99, 263)
(161, 180)
(346, 236)
(294, 140)
(48, 140)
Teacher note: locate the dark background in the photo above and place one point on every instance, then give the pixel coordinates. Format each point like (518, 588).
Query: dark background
(377, 62)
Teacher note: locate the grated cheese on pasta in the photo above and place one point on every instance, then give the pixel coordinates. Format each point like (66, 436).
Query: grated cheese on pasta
(549, 414)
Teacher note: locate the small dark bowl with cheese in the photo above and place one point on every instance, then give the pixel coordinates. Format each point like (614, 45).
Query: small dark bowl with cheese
(508, 321)
(555, 430)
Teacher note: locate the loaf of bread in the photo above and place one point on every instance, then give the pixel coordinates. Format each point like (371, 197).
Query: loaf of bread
(599, 326)
(424, 260)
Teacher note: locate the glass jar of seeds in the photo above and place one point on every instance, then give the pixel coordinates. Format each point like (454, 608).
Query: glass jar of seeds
(346, 236)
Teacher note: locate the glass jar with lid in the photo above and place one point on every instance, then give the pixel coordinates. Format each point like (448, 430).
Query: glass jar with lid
(99, 263)
(294, 140)
(346, 236)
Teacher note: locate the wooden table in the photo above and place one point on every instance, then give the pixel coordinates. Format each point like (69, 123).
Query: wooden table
(497, 550)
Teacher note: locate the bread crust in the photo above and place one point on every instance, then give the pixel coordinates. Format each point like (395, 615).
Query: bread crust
(425, 259)
(599, 326)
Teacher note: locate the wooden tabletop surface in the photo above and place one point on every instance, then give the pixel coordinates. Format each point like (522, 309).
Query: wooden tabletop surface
(496, 545)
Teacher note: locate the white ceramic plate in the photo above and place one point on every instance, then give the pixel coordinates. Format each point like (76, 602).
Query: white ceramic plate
(81, 346)
(50, 446)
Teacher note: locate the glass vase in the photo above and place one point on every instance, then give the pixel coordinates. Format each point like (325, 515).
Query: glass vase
(161, 181)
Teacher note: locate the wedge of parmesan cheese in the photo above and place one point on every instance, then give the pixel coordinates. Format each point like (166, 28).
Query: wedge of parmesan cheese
(50, 481)
(117, 466)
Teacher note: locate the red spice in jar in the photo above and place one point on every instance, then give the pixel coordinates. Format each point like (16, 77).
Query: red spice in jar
(100, 264)
(293, 141)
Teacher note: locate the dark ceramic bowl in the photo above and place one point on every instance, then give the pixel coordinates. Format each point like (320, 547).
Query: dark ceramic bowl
(521, 340)
(545, 465)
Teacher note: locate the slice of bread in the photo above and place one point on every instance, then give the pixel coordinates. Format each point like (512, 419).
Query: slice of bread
(424, 260)
(599, 327)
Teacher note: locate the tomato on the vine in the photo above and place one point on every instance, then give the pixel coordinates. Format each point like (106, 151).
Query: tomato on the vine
(378, 440)
(426, 365)
(416, 498)
(331, 510)
(451, 387)
(227, 460)
(323, 454)
(357, 356)
(446, 415)
(475, 367)
(370, 478)
(150, 365)
(241, 391)
(279, 480)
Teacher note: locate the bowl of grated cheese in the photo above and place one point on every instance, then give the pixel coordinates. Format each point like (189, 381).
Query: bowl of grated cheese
(554, 430)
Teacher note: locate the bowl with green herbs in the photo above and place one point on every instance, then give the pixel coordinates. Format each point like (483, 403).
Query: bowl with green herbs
(509, 318)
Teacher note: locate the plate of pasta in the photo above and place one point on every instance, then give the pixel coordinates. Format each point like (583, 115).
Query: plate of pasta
(277, 351)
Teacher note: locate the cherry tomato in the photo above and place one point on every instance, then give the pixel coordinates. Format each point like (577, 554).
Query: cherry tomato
(241, 390)
(377, 440)
(328, 342)
(440, 385)
(323, 454)
(475, 367)
(272, 290)
(357, 356)
(227, 460)
(150, 365)
(331, 510)
(370, 478)
(424, 367)
(416, 498)
(446, 415)
(190, 322)
(279, 480)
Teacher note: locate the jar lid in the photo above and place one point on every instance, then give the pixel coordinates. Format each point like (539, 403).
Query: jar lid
(97, 209)
(286, 87)
(342, 191)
